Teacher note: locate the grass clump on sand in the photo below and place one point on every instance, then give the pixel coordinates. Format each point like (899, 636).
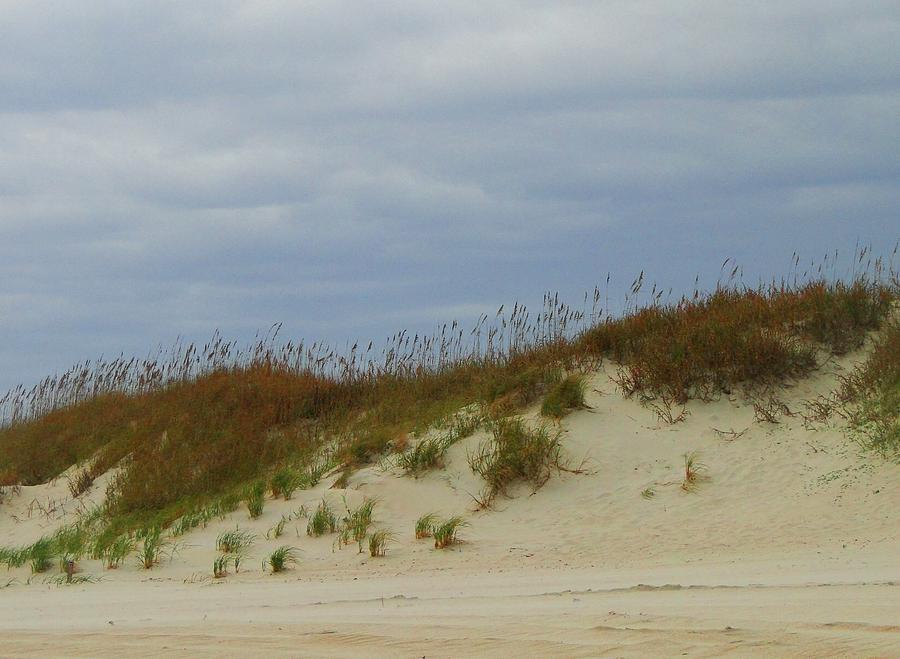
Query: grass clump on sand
(355, 525)
(115, 553)
(871, 394)
(40, 554)
(378, 542)
(234, 546)
(425, 525)
(516, 452)
(429, 452)
(234, 542)
(221, 564)
(282, 559)
(256, 499)
(277, 529)
(284, 482)
(565, 396)
(445, 532)
(694, 471)
(152, 548)
(322, 521)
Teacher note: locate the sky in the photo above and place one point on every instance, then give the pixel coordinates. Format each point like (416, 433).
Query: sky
(351, 169)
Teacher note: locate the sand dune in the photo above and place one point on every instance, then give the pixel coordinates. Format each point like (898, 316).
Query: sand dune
(791, 547)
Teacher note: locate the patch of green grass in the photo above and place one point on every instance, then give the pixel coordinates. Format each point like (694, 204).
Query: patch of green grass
(256, 499)
(378, 542)
(278, 529)
(186, 523)
(322, 521)
(284, 482)
(282, 558)
(426, 454)
(871, 394)
(648, 493)
(235, 542)
(445, 531)
(152, 548)
(425, 525)
(429, 453)
(221, 564)
(565, 396)
(117, 551)
(516, 452)
(41, 554)
(355, 524)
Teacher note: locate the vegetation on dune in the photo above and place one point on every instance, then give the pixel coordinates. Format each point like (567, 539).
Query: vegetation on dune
(235, 542)
(516, 452)
(378, 542)
(706, 345)
(425, 525)
(355, 524)
(255, 498)
(565, 396)
(445, 532)
(871, 394)
(322, 521)
(282, 559)
(190, 428)
(429, 452)
(694, 471)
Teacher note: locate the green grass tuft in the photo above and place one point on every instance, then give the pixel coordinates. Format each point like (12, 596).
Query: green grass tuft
(235, 542)
(565, 396)
(425, 525)
(256, 499)
(871, 394)
(378, 542)
(516, 453)
(445, 532)
(282, 558)
(322, 521)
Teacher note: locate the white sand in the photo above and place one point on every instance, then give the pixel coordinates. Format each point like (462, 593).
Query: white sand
(791, 548)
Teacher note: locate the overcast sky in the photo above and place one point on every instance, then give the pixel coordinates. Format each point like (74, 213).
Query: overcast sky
(353, 168)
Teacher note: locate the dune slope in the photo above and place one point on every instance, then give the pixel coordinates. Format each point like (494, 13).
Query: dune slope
(788, 544)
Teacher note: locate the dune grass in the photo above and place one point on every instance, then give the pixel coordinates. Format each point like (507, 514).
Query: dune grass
(221, 565)
(871, 394)
(80, 482)
(355, 524)
(694, 471)
(282, 559)
(233, 542)
(322, 521)
(116, 552)
(193, 423)
(255, 498)
(425, 525)
(516, 452)
(446, 532)
(378, 542)
(565, 396)
(428, 453)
